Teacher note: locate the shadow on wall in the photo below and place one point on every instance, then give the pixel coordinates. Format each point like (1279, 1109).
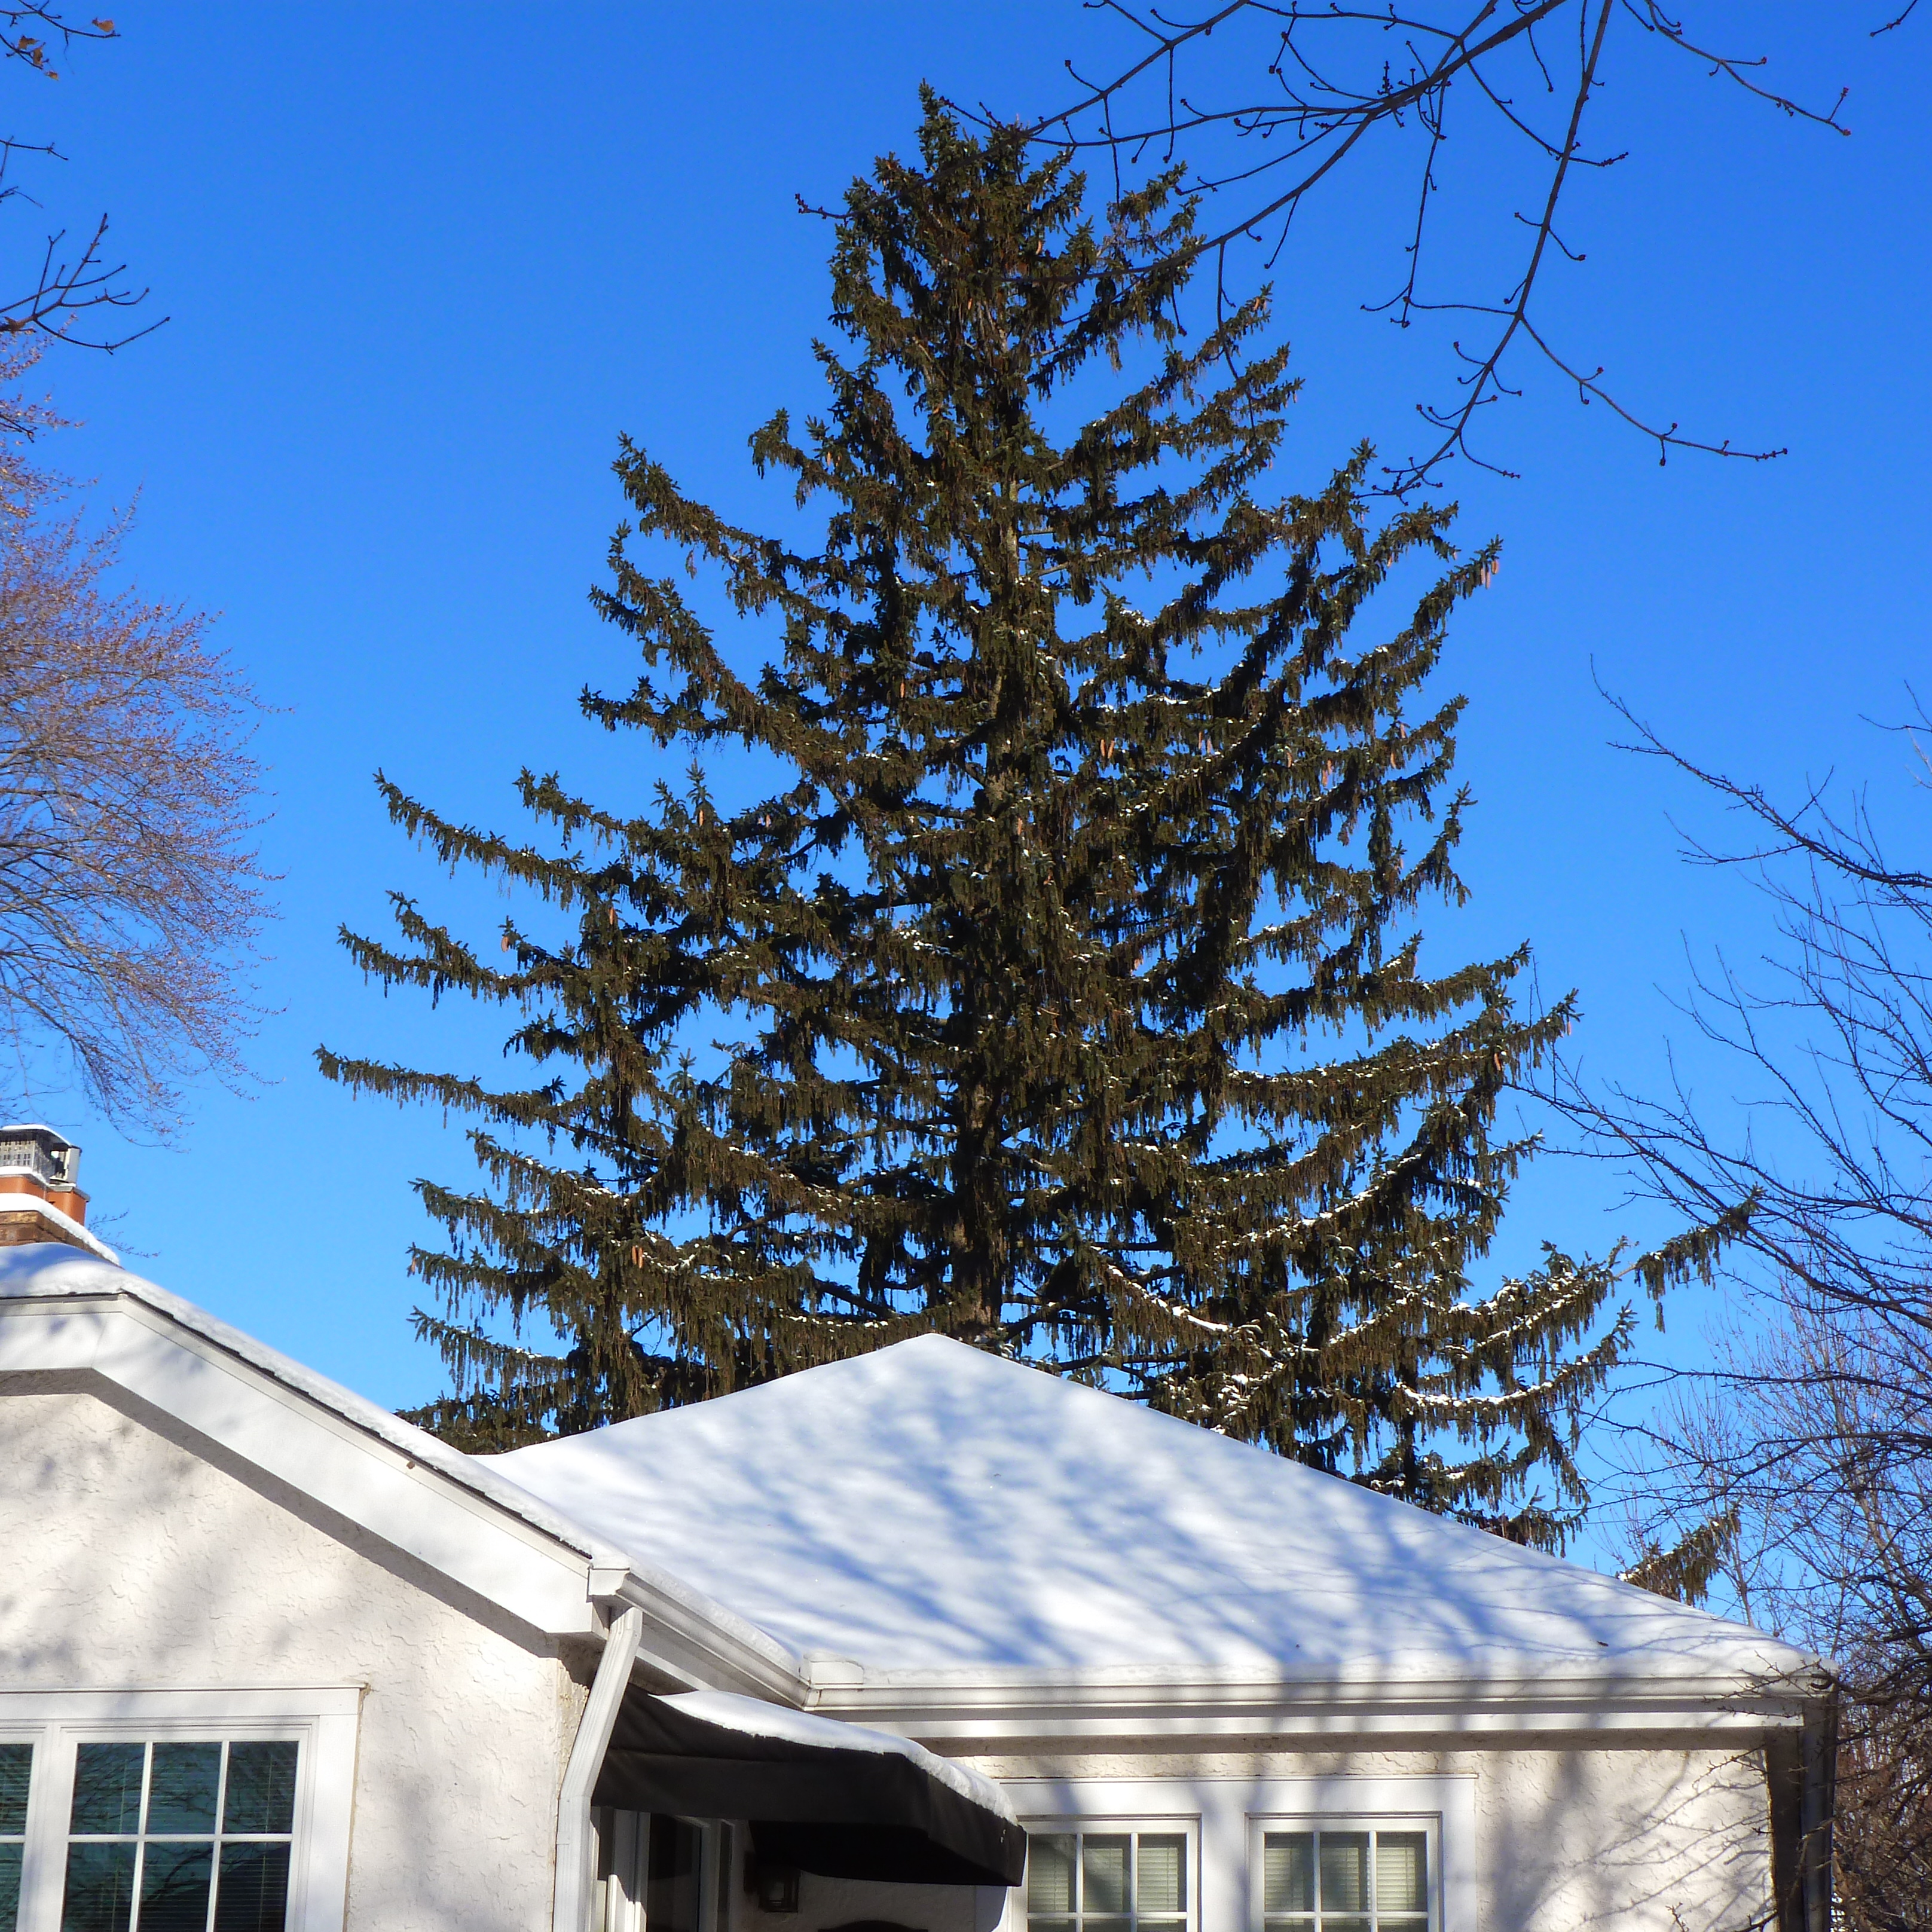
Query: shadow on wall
(1648, 1841)
(136, 1557)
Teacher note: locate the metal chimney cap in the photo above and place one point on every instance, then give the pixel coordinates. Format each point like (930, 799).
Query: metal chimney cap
(29, 1147)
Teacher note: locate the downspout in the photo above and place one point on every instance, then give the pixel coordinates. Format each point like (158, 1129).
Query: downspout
(576, 1878)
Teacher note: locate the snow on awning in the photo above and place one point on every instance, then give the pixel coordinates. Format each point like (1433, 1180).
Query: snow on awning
(835, 1798)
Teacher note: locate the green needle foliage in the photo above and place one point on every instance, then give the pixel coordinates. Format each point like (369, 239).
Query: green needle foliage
(1065, 995)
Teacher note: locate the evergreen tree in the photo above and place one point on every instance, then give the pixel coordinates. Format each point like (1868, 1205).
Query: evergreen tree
(1066, 995)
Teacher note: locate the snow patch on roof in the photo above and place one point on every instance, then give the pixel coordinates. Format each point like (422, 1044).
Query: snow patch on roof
(751, 1717)
(932, 1511)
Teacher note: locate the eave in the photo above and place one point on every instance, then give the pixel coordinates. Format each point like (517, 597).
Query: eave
(995, 1711)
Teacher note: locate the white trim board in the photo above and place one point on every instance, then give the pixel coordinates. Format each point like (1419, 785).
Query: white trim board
(983, 1716)
(322, 1718)
(1228, 1811)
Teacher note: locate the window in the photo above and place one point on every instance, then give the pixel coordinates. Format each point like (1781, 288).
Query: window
(180, 1810)
(180, 1838)
(16, 1771)
(1107, 1880)
(1352, 1880)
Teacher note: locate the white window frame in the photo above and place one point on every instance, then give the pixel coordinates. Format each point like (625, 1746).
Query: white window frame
(322, 1719)
(1151, 1824)
(1428, 1822)
(1231, 1810)
(618, 1902)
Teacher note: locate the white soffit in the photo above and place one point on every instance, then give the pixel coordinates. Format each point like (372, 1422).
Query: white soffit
(930, 1523)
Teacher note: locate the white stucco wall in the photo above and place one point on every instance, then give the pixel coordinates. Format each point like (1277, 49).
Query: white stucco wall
(131, 1562)
(1646, 1837)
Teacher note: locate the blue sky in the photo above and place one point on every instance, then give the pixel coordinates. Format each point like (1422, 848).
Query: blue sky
(422, 267)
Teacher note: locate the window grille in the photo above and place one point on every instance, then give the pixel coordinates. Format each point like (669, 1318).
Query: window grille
(180, 1838)
(1107, 1881)
(1358, 1880)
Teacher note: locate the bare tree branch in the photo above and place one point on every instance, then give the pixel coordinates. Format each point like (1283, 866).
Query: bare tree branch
(1272, 97)
(69, 283)
(1810, 1436)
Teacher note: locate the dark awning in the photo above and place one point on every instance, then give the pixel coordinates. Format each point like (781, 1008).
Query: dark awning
(830, 1798)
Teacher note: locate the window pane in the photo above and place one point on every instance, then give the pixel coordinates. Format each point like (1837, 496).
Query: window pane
(261, 1787)
(1049, 1878)
(1160, 1878)
(673, 1876)
(10, 1886)
(100, 1885)
(1345, 1873)
(1103, 1876)
(175, 1880)
(1090, 1924)
(17, 1765)
(107, 1788)
(1288, 1872)
(1401, 1875)
(181, 1788)
(253, 1893)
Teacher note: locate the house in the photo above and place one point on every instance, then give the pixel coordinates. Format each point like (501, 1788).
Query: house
(926, 1639)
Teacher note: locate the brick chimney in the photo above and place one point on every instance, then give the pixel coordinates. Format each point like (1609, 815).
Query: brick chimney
(39, 1198)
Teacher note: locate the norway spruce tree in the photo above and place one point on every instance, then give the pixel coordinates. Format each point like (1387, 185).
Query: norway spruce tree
(1066, 993)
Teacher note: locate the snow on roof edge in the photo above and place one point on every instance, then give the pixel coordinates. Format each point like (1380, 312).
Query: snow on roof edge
(758, 1717)
(49, 1270)
(77, 1235)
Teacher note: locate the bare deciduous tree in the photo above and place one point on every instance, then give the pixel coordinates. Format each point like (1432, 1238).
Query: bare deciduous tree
(1274, 101)
(1810, 1436)
(130, 891)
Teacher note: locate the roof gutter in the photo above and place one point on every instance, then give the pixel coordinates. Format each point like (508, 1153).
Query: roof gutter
(700, 1645)
(960, 1707)
(576, 1872)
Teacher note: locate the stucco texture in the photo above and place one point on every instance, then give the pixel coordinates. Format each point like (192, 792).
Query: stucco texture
(1649, 1837)
(132, 1562)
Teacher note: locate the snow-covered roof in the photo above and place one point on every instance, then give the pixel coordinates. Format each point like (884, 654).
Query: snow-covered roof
(931, 1512)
